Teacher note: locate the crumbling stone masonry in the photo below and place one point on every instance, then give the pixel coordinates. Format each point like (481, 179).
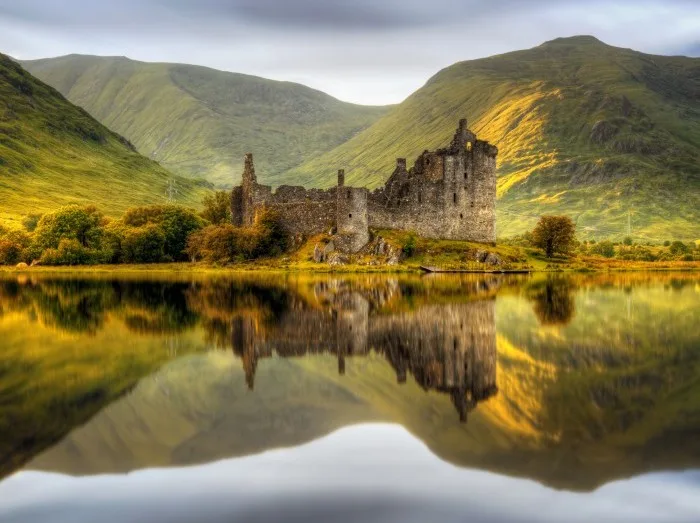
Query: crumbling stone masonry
(449, 193)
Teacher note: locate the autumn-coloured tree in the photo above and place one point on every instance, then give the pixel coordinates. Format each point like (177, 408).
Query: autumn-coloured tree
(554, 234)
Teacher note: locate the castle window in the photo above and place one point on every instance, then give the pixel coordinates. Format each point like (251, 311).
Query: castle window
(469, 146)
(420, 198)
(465, 175)
(427, 162)
(454, 198)
(350, 215)
(348, 194)
(461, 216)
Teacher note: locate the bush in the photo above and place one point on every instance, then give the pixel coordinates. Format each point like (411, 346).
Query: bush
(14, 246)
(269, 235)
(142, 245)
(175, 222)
(226, 243)
(409, 246)
(70, 252)
(10, 253)
(603, 248)
(217, 208)
(31, 221)
(678, 248)
(83, 224)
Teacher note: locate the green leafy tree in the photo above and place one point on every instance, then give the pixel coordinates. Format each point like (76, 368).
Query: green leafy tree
(83, 224)
(604, 248)
(627, 241)
(678, 248)
(175, 222)
(554, 234)
(144, 244)
(69, 252)
(217, 208)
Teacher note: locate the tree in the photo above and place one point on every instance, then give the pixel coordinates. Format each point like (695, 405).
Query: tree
(627, 241)
(175, 222)
(604, 248)
(678, 248)
(73, 222)
(143, 245)
(554, 234)
(217, 208)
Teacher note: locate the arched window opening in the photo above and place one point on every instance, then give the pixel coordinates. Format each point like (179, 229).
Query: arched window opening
(420, 198)
(454, 198)
(348, 194)
(350, 215)
(461, 216)
(469, 146)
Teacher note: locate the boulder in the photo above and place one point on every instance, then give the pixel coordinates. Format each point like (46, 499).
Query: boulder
(481, 256)
(318, 253)
(336, 258)
(493, 259)
(21, 265)
(329, 248)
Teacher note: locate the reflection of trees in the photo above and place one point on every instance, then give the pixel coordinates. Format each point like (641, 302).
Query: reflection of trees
(553, 301)
(448, 347)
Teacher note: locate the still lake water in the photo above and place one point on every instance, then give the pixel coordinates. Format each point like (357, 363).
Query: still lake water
(361, 398)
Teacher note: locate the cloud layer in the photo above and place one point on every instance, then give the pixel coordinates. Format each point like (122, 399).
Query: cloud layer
(359, 50)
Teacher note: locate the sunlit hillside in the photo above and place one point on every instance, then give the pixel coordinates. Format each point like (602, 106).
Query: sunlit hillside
(53, 153)
(606, 135)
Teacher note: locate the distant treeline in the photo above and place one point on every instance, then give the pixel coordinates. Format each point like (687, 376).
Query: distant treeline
(83, 235)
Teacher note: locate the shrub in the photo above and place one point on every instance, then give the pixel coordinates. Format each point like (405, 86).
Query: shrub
(83, 224)
(269, 235)
(69, 252)
(217, 208)
(143, 245)
(175, 222)
(409, 246)
(678, 248)
(603, 248)
(226, 243)
(627, 241)
(31, 221)
(10, 253)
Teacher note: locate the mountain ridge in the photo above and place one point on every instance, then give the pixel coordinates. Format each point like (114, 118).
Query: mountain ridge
(199, 121)
(54, 153)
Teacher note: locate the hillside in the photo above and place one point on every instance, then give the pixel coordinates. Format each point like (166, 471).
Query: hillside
(53, 153)
(583, 128)
(199, 122)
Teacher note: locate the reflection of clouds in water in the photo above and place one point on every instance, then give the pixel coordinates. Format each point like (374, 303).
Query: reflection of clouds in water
(364, 473)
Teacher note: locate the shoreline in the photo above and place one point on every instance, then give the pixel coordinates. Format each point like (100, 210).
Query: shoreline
(201, 268)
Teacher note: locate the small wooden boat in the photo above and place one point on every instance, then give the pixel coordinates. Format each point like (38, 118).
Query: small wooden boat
(473, 271)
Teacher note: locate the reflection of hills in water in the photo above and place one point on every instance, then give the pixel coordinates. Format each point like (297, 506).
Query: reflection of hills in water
(578, 404)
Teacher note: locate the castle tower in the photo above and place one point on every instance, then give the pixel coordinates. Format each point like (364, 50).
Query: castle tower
(352, 222)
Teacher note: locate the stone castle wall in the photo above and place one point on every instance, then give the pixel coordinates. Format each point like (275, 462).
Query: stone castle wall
(449, 193)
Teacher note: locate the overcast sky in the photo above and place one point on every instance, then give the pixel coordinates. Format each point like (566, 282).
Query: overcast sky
(364, 51)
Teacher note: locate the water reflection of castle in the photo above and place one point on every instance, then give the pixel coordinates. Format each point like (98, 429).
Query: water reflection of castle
(449, 348)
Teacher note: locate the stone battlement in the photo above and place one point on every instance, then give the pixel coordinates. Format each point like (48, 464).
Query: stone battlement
(449, 193)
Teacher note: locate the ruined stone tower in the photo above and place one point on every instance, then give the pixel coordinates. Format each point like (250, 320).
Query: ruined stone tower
(351, 216)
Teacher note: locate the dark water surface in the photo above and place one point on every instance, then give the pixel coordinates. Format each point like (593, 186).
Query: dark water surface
(360, 398)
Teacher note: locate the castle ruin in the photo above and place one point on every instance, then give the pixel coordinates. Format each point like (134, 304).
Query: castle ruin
(449, 193)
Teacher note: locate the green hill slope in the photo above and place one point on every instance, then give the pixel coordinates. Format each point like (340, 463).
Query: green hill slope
(586, 129)
(199, 122)
(53, 153)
